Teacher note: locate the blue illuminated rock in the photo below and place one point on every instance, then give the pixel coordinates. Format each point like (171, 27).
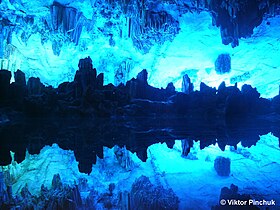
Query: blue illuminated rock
(187, 86)
(223, 64)
(238, 20)
(66, 20)
(124, 158)
(4, 199)
(222, 166)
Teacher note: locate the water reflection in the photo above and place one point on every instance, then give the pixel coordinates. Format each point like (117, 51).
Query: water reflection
(175, 153)
(87, 138)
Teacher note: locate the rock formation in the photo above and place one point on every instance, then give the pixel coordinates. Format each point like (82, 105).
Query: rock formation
(144, 195)
(187, 86)
(223, 64)
(123, 157)
(66, 20)
(60, 196)
(222, 166)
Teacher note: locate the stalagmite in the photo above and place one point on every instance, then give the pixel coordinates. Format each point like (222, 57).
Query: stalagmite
(144, 195)
(187, 86)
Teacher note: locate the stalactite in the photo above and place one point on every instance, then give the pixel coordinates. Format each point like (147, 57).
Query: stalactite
(5, 36)
(146, 26)
(237, 19)
(57, 11)
(67, 20)
(1, 45)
